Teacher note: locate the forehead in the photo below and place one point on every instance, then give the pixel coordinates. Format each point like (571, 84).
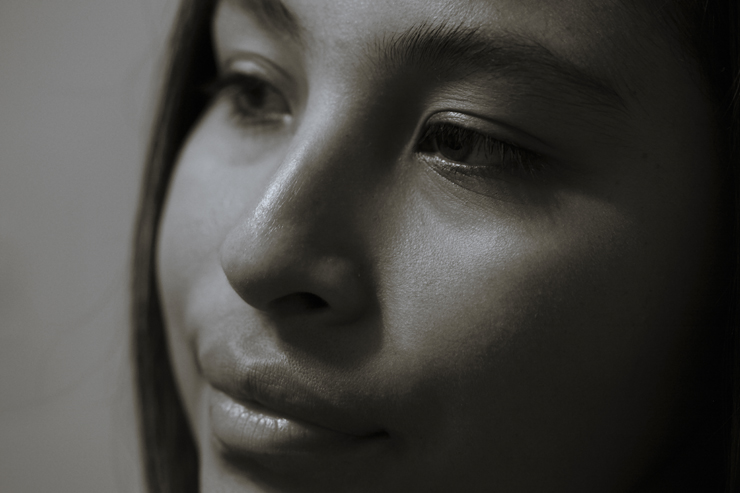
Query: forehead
(561, 24)
(361, 17)
(603, 46)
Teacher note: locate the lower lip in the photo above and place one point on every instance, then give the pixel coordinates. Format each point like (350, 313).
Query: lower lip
(247, 428)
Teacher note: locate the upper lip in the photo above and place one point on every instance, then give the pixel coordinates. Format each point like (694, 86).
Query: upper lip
(288, 392)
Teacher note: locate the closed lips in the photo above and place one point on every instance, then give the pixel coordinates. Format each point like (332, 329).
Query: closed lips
(265, 409)
(247, 427)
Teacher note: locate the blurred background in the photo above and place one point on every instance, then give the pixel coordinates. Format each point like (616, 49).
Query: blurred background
(77, 83)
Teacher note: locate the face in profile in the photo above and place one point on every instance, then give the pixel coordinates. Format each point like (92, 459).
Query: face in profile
(441, 246)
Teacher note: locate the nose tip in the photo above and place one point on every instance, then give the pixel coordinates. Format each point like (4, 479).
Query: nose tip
(277, 272)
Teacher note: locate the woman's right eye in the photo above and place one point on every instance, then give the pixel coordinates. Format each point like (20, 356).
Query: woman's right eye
(252, 101)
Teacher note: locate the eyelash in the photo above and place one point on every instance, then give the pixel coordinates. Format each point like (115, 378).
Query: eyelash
(509, 159)
(234, 87)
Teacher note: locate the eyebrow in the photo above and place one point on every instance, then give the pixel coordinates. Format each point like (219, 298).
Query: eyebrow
(450, 50)
(457, 50)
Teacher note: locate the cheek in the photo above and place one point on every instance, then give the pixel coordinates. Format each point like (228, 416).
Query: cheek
(557, 332)
(511, 272)
(206, 197)
(211, 190)
(185, 246)
(190, 232)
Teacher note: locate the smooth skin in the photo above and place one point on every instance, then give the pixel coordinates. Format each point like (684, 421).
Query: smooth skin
(530, 318)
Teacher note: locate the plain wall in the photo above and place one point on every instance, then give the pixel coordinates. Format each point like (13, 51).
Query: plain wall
(76, 90)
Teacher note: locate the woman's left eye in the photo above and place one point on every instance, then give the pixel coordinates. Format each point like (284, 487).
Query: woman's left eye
(252, 101)
(473, 153)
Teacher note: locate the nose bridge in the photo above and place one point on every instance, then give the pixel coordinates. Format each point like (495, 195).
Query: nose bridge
(315, 186)
(299, 238)
(309, 184)
(340, 143)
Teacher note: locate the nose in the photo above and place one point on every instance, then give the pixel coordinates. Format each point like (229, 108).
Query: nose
(297, 252)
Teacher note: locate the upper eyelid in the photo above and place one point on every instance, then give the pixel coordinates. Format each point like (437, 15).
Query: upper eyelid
(485, 138)
(260, 67)
(223, 81)
(490, 128)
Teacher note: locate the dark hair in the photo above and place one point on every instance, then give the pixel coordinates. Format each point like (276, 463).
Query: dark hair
(169, 452)
(709, 31)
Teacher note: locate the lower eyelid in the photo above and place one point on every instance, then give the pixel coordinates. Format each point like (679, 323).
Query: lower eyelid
(244, 124)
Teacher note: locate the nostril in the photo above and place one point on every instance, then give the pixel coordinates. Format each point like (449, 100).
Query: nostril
(296, 304)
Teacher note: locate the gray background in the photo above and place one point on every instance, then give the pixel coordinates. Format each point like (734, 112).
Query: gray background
(76, 86)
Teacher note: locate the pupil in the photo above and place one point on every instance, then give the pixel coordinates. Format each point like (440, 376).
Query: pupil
(257, 97)
(453, 149)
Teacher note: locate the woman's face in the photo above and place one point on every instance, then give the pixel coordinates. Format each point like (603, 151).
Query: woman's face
(440, 245)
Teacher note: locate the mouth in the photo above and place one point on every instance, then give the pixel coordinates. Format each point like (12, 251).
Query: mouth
(275, 415)
(248, 428)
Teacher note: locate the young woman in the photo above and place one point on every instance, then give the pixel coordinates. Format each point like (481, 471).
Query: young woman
(441, 245)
